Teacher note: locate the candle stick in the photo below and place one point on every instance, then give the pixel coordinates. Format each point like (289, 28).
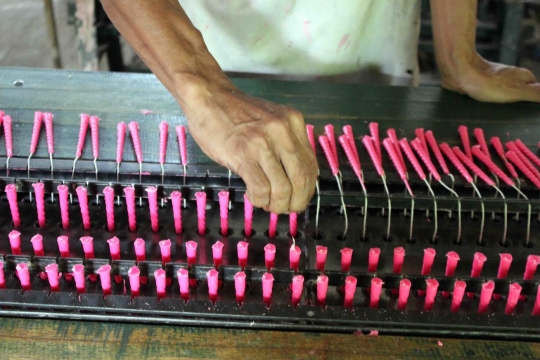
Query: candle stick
(272, 227)
(140, 251)
(63, 199)
(52, 276)
(242, 250)
(431, 291)
(294, 257)
(63, 245)
(451, 265)
(105, 278)
(373, 259)
(404, 291)
(375, 293)
(530, 267)
(108, 194)
(224, 212)
(269, 255)
(297, 288)
(39, 190)
(165, 247)
(134, 281)
(321, 251)
(88, 246)
(513, 297)
(201, 211)
(114, 248)
(24, 276)
(346, 258)
(183, 283)
(399, 256)
(37, 244)
(267, 285)
(322, 289)
(191, 251)
(478, 264)
(153, 207)
(15, 242)
(129, 194)
(248, 216)
(240, 286)
(217, 253)
(293, 224)
(176, 199)
(350, 289)
(11, 193)
(80, 280)
(212, 279)
(536, 309)
(160, 278)
(485, 296)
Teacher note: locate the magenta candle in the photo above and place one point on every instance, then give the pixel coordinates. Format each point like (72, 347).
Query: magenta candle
(269, 255)
(217, 253)
(530, 267)
(80, 279)
(165, 247)
(457, 295)
(224, 212)
(176, 199)
(183, 283)
(293, 224)
(37, 244)
(485, 296)
(24, 275)
(427, 263)
(104, 273)
(88, 246)
(129, 194)
(200, 197)
(536, 309)
(248, 216)
(63, 195)
(350, 289)
(63, 245)
(431, 291)
(15, 242)
(240, 286)
(11, 193)
(294, 257)
(52, 276)
(161, 282)
(375, 293)
(451, 265)
(322, 289)
(2, 277)
(242, 250)
(513, 296)
(212, 279)
(151, 191)
(267, 285)
(140, 251)
(321, 252)
(404, 291)
(39, 191)
(272, 226)
(114, 248)
(108, 194)
(504, 265)
(297, 288)
(82, 196)
(134, 280)
(399, 257)
(478, 264)
(373, 259)
(346, 259)
(191, 250)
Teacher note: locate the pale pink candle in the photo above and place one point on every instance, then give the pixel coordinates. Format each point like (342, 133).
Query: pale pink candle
(212, 279)
(201, 211)
(104, 273)
(267, 286)
(88, 246)
(485, 296)
(183, 283)
(427, 263)
(191, 251)
(248, 216)
(224, 212)
(2, 277)
(140, 249)
(129, 194)
(504, 265)
(294, 257)
(176, 199)
(404, 291)
(431, 291)
(108, 194)
(160, 278)
(114, 248)
(350, 289)
(11, 193)
(272, 226)
(242, 250)
(375, 292)
(217, 253)
(530, 267)
(513, 296)
(165, 247)
(80, 279)
(346, 259)
(240, 286)
(151, 191)
(297, 288)
(63, 199)
(24, 275)
(457, 295)
(82, 195)
(39, 191)
(322, 289)
(37, 244)
(293, 224)
(63, 245)
(134, 280)
(15, 242)
(53, 276)
(269, 255)
(373, 259)
(399, 256)
(321, 252)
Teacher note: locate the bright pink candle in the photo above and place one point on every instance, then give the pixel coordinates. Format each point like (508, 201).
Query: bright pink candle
(346, 259)
(88, 246)
(240, 286)
(451, 265)
(24, 276)
(536, 309)
(183, 283)
(404, 291)
(15, 242)
(427, 263)
(63, 245)
(134, 280)
(294, 257)
(513, 296)
(267, 285)
(161, 282)
(350, 289)
(431, 291)
(153, 207)
(478, 264)
(129, 194)
(242, 249)
(82, 195)
(80, 279)
(530, 267)
(176, 199)
(11, 193)
(248, 216)
(212, 279)
(2, 277)
(63, 195)
(269, 255)
(37, 244)
(322, 289)
(485, 296)
(105, 278)
(165, 247)
(321, 252)
(201, 211)
(224, 212)
(272, 227)
(293, 224)
(297, 288)
(108, 194)
(217, 253)
(504, 265)
(191, 250)
(399, 256)
(457, 295)
(375, 293)
(53, 276)
(373, 259)
(39, 190)
(114, 248)
(140, 249)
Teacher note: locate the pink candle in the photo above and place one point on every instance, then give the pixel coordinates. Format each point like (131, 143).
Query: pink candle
(373, 259)
(248, 216)
(242, 250)
(183, 283)
(322, 289)
(165, 247)
(451, 265)
(485, 296)
(272, 227)
(63, 246)
(108, 194)
(267, 285)
(201, 211)
(39, 190)
(82, 195)
(350, 289)
(63, 195)
(153, 207)
(504, 265)
(191, 250)
(269, 255)
(321, 252)
(11, 193)
(346, 259)
(240, 286)
(24, 275)
(2, 277)
(431, 291)
(161, 282)
(294, 257)
(224, 212)
(513, 296)
(212, 279)
(399, 256)
(457, 296)
(52, 275)
(530, 267)
(176, 199)
(217, 253)
(293, 224)
(129, 194)
(427, 263)
(80, 279)
(114, 248)
(134, 280)
(297, 288)
(536, 309)
(37, 244)
(404, 291)
(15, 242)
(375, 293)
(140, 251)
(104, 273)
(88, 246)
(478, 264)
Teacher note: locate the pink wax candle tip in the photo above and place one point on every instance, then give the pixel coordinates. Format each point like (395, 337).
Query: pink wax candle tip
(373, 259)
(140, 249)
(24, 275)
(217, 253)
(504, 265)
(267, 286)
(88, 246)
(451, 263)
(429, 257)
(134, 280)
(399, 256)
(321, 252)
(165, 247)
(322, 289)
(530, 267)
(15, 242)
(297, 288)
(114, 248)
(80, 279)
(485, 296)
(431, 291)
(104, 273)
(346, 259)
(272, 227)
(294, 257)
(183, 282)
(269, 255)
(37, 244)
(212, 279)
(240, 285)
(160, 277)
(478, 264)
(513, 296)
(457, 295)
(53, 276)
(191, 250)
(63, 245)
(200, 196)
(404, 291)
(242, 249)
(375, 292)
(350, 289)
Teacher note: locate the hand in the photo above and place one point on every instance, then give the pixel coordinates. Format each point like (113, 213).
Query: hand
(264, 143)
(491, 82)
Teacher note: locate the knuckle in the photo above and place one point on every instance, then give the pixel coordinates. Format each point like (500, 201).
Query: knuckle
(282, 191)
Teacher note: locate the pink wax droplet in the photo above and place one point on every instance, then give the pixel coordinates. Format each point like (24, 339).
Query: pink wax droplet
(327, 149)
(399, 257)
(2, 277)
(330, 134)
(165, 247)
(63, 195)
(191, 250)
(346, 259)
(311, 137)
(321, 252)
(37, 245)
(269, 255)
(350, 289)
(181, 134)
(212, 277)
(121, 129)
(82, 195)
(80, 279)
(224, 212)
(513, 296)
(217, 253)
(240, 286)
(248, 216)
(267, 286)
(48, 119)
(88, 246)
(431, 291)
(272, 227)
(322, 289)
(153, 207)
(375, 292)
(297, 288)
(374, 131)
(108, 194)
(63, 245)
(457, 295)
(160, 278)
(200, 196)
(129, 193)
(39, 190)
(176, 199)
(38, 119)
(140, 249)
(24, 275)
(134, 130)
(294, 257)
(134, 280)
(485, 296)
(104, 273)
(83, 129)
(163, 137)
(404, 292)
(530, 267)
(373, 259)
(183, 283)
(7, 122)
(293, 224)
(114, 248)
(242, 250)
(15, 242)
(11, 193)
(53, 276)
(504, 265)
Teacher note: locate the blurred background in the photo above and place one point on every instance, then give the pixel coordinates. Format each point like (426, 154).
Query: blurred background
(76, 34)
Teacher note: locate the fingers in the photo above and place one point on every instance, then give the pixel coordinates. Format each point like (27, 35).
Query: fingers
(530, 92)
(280, 186)
(525, 75)
(257, 184)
